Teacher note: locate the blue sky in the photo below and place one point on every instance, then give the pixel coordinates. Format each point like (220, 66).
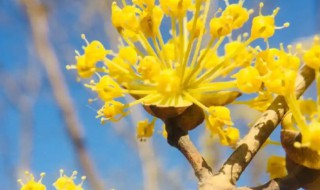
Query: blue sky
(116, 160)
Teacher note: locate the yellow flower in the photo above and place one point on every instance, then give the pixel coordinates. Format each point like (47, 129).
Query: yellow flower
(276, 167)
(242, 58)
(32, 184)
(168, 83)
(107, 89)
(308, 108)
(268, 60)
(237, 13)
(312, 56)
(126, 18)
(112, 110)
(151, 19)
(231, 136)
(220, 26)
(218, 118)
(149, 68)
(86, 63)
(145, 129)
(67, 183)
(128, 54)
(281, 81)
(248, 80)
(175, 8)
(264, 26)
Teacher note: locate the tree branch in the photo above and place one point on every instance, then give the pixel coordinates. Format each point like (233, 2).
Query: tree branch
(247, 148)
(179, 139)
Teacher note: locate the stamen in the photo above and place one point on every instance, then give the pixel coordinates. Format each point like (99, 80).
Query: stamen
(218, 11)
(174, 36)
(41, 177)
(77, 52)
(84, 38)
(226, 2)
(285, 25)
(61, 172)
(146, 45)
(90, 100)
(260, 8)
(73, 175)
(69, 67)
(275, 12)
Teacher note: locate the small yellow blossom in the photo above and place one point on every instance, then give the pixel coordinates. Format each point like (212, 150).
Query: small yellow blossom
(126, 18)
(32, 184)
(308, 108)
(128, 54)
(264, 26)
(312, 56)
(168, 83)
(112, 110)
(276, 167)
(175, 8)
(149, 68)
(248, 80)
(86, 63)
(107, 89)
(151, 19)
(237, 14)
(231, 136)
(219, 117)
(120, 70)
(268, 60)
(220, 26)
(145, 129)
(281, 81)
(244, 54)
(67, 183)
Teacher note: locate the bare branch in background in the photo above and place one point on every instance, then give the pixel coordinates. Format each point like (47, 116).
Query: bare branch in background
(22, 93)
(39, 24)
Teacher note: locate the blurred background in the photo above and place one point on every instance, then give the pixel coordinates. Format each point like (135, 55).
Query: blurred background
(46, 123)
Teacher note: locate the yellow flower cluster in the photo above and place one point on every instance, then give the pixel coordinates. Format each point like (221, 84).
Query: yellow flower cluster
(306, 113)
(62, 183)
(180, 71)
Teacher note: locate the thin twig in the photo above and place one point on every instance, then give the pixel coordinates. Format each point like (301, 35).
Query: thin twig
(39, 24)
(180, 139)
